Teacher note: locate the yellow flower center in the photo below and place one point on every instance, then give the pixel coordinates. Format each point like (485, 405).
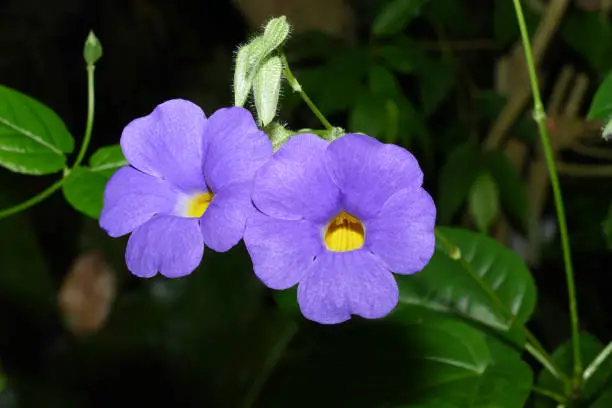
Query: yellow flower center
(344, 233)
(198, 204)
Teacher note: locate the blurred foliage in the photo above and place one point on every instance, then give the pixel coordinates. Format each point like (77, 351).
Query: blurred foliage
(420, 73)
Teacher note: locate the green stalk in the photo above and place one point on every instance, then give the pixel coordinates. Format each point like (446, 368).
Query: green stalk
(540, 118)
(295, 85)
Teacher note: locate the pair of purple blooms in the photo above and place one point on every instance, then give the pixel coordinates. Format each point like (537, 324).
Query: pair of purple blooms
(336, 218)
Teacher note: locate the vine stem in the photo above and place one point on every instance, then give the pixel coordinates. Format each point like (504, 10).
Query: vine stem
(90, 114)
(295, 85)
(540, 118)
(30, 202)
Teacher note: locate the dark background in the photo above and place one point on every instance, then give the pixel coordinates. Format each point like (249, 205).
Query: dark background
(196, 342)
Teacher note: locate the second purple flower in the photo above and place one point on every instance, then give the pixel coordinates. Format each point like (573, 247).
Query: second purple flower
(337, 219)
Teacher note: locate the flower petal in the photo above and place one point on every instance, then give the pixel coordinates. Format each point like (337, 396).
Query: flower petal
(281, 250)
(131, 198)
(168, 143)
(341, 284)
(224, 220)
(169, 245)
(236, 148)
(402, 234)
(368, 172)
(295, 184)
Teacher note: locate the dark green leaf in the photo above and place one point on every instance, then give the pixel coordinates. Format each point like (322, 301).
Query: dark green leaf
(84, 186)
(601, 107)
(437, 79)
(512, 191)
(84, 190)
(107, 160)
(395, 16)
(382, 82)
(33, 139)
(397, 58)
(463, 287)
(484, 201)
(461, 169)
(369, 115)
(590, 35)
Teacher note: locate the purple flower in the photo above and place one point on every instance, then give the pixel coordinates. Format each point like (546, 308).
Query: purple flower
(337, 218)
(189, 184)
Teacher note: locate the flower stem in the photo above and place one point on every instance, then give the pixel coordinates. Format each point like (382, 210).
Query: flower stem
(90, 115)
(86, 139)
(295, 85)
(540, 117)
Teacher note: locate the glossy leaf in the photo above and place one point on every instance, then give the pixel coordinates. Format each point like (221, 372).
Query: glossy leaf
(107, 160)
(33, 139)
(434, 362)
(484, 201)
(462, 167)
(601, 107)
(369, 115)
(84, 186)
(462, 287)
(590, 395)
(395, 16)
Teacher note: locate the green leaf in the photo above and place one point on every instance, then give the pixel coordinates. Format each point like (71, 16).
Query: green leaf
(601, 107)
(84, 186)
(397, 58)
(590, 347)
(435, 362)
(512, 191)
(33, 139)
(590, 35)
(383, 82)
(461, 169)
(461, 286)
(369, 115)
(484, 201)
(395, 16)
(437, 79)
(107, 160)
